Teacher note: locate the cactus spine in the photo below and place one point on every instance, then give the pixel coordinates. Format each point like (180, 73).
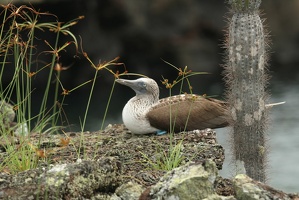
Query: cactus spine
(246, 80)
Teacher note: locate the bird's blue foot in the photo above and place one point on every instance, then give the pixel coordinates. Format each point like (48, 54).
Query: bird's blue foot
(160, 132)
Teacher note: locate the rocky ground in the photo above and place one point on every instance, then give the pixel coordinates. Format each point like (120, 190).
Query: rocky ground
(114, 164)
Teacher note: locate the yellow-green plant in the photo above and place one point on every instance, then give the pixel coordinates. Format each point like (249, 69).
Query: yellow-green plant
(20, 51)
(170, 158)
(183, 76)
(22, 44)
(165, 159)
(26, 55)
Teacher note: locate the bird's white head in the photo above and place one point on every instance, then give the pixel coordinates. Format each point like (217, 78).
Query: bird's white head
(142, 86)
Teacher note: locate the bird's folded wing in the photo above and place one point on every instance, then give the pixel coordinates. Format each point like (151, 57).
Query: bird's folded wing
(188, 112)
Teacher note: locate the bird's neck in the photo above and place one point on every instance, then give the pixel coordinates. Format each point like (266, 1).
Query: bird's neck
(145, 100)
(134, 114)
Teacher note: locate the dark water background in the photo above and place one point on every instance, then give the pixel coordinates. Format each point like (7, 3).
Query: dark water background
(184, 33)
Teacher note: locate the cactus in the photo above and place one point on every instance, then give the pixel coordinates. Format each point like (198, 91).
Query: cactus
(246, 80)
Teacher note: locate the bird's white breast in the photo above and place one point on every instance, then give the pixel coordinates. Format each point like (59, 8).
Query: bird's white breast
(134, 116)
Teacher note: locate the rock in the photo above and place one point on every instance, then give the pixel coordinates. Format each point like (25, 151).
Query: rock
(21, 129)
(128, 191)
(63, 181)
(118, 170)
(200, 181)
(249, 189)
(191, 181)
(7, 116)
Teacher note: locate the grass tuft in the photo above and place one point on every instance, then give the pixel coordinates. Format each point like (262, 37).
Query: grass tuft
(165, 159)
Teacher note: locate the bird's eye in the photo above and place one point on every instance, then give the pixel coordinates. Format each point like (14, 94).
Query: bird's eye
(142, 84)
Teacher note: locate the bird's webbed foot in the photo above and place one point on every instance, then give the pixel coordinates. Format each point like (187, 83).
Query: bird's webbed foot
(161, 132)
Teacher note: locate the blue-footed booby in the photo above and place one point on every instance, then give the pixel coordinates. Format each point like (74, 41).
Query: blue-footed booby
(145, 113)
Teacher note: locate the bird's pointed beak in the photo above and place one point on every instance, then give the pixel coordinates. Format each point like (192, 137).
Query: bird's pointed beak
(130, 83)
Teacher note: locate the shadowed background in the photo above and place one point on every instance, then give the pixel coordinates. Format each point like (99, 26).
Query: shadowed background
(184, 33)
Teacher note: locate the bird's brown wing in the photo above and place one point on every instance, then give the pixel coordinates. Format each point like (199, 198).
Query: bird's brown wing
(188, 112)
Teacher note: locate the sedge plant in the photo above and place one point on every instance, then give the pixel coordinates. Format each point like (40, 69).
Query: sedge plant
(31, 56)
(172, 157)
(105, 65)
(21, 47)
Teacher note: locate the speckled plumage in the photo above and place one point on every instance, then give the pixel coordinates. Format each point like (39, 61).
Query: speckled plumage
(145, 113)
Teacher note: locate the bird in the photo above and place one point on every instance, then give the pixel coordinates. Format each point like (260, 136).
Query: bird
(146, 113)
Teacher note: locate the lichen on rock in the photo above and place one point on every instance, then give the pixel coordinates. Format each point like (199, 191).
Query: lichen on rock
(191, 181)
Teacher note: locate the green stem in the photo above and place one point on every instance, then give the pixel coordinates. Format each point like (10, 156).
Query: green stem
(86, 112)
(107, 106)
(29, 79)
(89, 99)
(45, 98)
(7, 47)
(55, 118)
